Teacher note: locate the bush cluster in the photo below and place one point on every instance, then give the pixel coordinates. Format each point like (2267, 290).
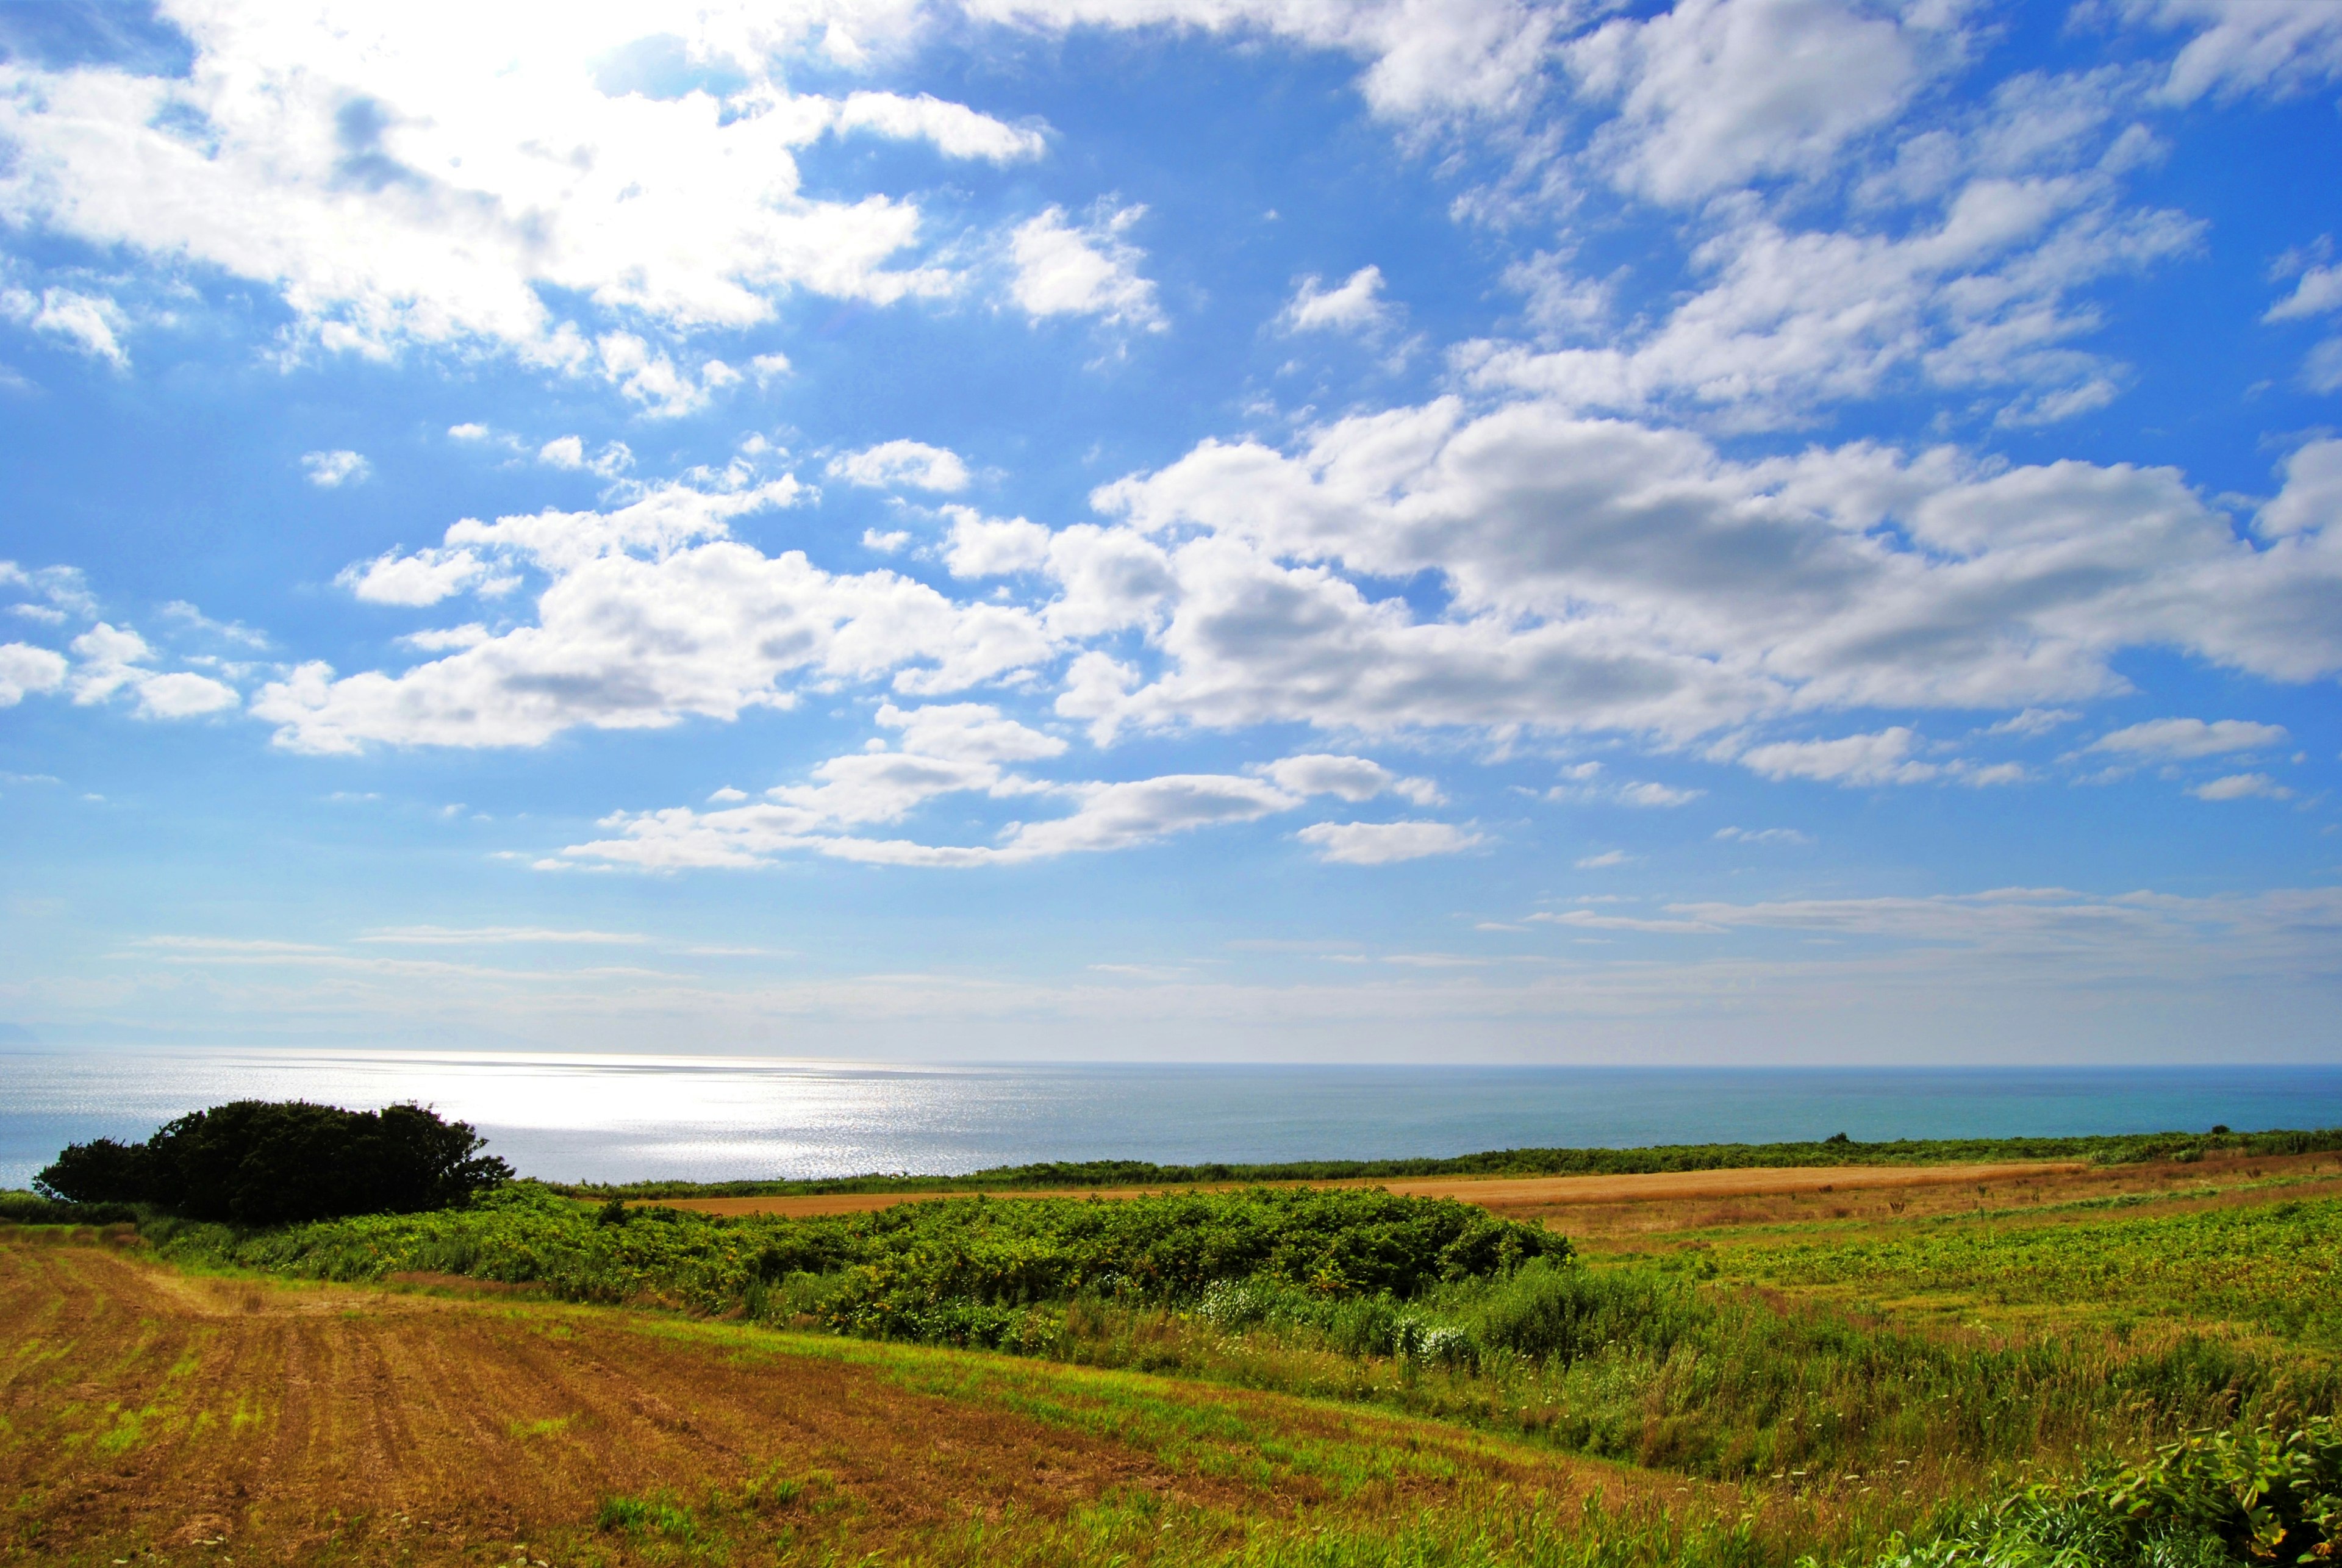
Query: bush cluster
(2212, 1500)
(958, 1270)
(263, 1162)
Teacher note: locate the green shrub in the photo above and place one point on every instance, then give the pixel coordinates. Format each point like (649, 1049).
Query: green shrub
(2212, 1500)
(260, 1162)
(18, 1208)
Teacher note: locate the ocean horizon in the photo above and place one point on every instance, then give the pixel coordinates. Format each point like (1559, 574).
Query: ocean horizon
(581, 1117)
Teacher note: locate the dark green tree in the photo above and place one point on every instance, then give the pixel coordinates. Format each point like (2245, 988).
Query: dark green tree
(263, 1163)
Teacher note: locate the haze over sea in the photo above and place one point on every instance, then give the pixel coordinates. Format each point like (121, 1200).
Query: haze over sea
(618, 1118)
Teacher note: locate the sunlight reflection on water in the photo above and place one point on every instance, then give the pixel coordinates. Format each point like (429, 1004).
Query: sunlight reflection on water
(589, 1117)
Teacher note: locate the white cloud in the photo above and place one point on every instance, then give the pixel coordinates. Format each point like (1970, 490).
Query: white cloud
(982, 547)
(468, 432)
(1586, 920)
(2319, 291)
(2242, 786)
(2322, 370)
(1605, 860)
(967, 732)
(330, 470)
(896, 464)
(1062, 270)
(1582, 784)
(650, 613)
(889, 542)
(2311, 498)
(2277, 48)
(1716, 92)
(1761, 836)
(1983, 299)
(1350, 778)
(471, 635)
(109, 659)
(1382, 843)
(2033, 722)
(968, 749)
(1428, 63)
(193, 619)
(183, 694)
(1873, 759)
(954, 130)
(2189, 738)
(569, 451)
(89, 323)
(1606, 576)
(401, 176)
(482, 936)
(425, 577)
(26, 668)
(1356, 305)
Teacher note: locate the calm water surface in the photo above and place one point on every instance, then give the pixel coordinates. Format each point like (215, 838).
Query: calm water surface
(707, 1118)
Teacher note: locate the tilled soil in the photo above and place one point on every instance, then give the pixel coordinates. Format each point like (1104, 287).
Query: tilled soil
(145, 1411)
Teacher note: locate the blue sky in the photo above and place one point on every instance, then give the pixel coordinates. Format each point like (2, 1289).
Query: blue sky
(1400, 530)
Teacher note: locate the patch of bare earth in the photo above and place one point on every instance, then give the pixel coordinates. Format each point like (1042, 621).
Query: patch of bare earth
(142, 1410)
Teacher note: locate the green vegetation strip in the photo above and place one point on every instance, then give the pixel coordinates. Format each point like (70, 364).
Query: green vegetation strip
(1099, 1174)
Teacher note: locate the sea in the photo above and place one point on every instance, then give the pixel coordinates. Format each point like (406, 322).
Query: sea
(716, 1118)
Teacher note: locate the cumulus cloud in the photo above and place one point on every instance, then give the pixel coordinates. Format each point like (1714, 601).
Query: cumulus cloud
(109, 659)
(424, 577)
(648, 614)
(569, 451)
(331, 470)
(2180, 738)
(1062, 269)
(901, 464)
(1354, 305)
(398, 180)
(1351, 778)
(1382, 843)
(1873, 759)
(88, 323)
(981, 547)
(26, 668)
(1604, 575)
(184, 694)
(2242, 786)
(1716, 92)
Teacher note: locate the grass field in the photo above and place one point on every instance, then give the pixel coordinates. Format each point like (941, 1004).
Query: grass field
(1742, 1375)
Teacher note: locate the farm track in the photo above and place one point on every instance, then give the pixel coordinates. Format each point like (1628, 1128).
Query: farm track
(142, 1410)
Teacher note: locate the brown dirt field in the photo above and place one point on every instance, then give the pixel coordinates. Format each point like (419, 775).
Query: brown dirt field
(146, 1414)
(2009, 1191)
(1502, 1194)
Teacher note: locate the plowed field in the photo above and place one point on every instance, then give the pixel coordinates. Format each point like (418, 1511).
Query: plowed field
(149, 1415)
